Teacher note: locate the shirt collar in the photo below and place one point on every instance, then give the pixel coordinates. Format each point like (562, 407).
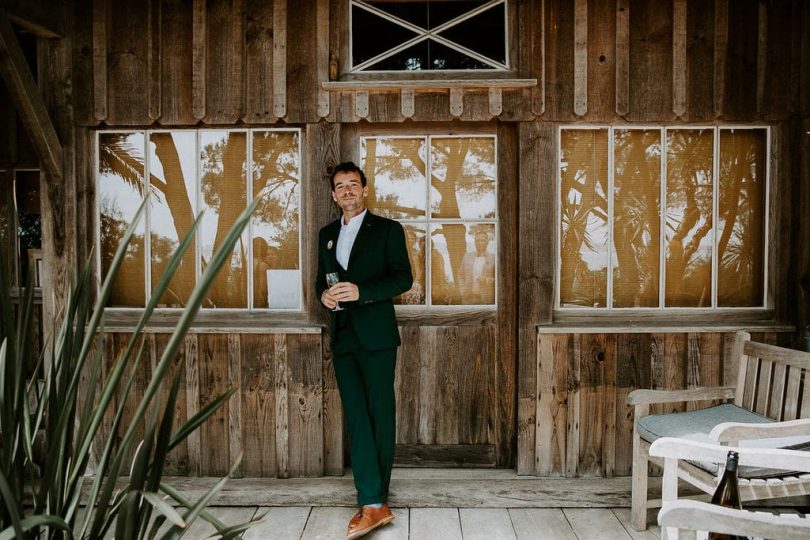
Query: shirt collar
(353, 222)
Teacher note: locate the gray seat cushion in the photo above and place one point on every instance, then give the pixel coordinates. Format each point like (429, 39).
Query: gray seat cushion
(696, 426)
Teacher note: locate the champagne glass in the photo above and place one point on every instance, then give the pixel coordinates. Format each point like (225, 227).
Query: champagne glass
(332, 279)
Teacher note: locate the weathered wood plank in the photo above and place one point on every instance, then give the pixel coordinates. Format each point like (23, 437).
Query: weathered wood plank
(332, 415)
(679, 57)
(633, 363)
(177, 67)
(528, 522)
(592, 414)
(327, 523)
(447, 391)
(762, 54)
(580, 57)
(198, 59)
(595, 523)
(601, 60)
(258, 405)
(572, 436)
(280, 59)
(228, 515)
(445, 455)
(406, 385)
(213, 372)
(552, 393)
(650, 97)
(280, 523)
(193, 402)
(609, 367)
(223, 72)
(536, 151)
(177, 460)
(699, 61)
(720, 55)
(100, 25)
(153, 54)
(322, 55)
(435, 524)
(559, 60)
(305, 403)
(258, 62)
(127, 67)
(235, 403)
(282, 416)
(486, 523)
(428, 386)
(741, 79)
(22, 88)
(674, 366)
(622, 57)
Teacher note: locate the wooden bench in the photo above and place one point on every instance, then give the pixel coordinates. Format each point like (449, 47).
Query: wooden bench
(770, 408)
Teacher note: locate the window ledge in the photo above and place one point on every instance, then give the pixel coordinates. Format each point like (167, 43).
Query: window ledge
(663, 325)
(427, 85)
(208, 322)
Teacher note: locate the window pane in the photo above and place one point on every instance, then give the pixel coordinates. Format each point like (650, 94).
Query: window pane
(584, 218)
(463, 263)
(637, 217)
(223, 190)
(741, 218)
(489, 23)
(689, 218)
(173, 179)
(415, 240)
(462, 177)
(386, 34)
(277, 182)
(120, 192)
(395, 171)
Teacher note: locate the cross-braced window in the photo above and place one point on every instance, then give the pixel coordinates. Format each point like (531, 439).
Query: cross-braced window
(218, 173)
(415, 36)
(663, 217)
(443, 191)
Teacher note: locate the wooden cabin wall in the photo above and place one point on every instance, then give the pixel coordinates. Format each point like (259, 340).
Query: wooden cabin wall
(584, 426)
(236, 63)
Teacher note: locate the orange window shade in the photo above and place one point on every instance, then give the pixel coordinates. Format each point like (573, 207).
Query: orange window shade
(223, 196)
(396, 171)
(584, 218)
(689, 201)
(415, 242)
(173, 179)
(741, 218)
(462, 177)
(120, 191)
(275, 223)
(636, 217)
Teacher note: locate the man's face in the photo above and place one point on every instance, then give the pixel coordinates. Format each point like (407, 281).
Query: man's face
(349, 193)
(481, 242)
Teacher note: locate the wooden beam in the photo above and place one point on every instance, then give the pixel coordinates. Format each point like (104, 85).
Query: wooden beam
(36, 17)
(622, 57)
(580, 57)
(22, 88)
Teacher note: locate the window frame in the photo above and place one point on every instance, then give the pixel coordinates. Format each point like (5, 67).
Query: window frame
(249, 311)
(767, 305)
(427, 135)
(342, 28)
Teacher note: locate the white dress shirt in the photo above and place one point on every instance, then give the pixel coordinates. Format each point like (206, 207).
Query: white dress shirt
(346, 238)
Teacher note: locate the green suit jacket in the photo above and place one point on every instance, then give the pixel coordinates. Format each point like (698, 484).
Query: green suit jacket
(380, 268)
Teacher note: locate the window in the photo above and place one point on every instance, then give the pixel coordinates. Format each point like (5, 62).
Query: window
(443, 191)
(638, 209)
(217, 172)
(400, 35)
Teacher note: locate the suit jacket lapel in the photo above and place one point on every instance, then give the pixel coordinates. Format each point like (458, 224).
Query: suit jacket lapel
(362, 236)
(331, 257)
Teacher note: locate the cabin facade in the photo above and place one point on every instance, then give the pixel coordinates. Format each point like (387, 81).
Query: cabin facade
(596, 193)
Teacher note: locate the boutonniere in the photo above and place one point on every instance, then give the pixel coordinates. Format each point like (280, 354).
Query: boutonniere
(329, 244)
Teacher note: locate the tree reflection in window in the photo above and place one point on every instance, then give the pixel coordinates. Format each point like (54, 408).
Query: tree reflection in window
(634, 211)
(461, 195)
(183, 183)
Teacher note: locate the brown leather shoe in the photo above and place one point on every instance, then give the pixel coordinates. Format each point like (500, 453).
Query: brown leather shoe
(370, 519)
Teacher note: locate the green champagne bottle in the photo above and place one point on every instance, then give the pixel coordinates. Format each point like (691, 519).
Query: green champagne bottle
(728, 494)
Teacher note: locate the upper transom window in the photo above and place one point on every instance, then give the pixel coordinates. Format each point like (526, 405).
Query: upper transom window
(397, 35)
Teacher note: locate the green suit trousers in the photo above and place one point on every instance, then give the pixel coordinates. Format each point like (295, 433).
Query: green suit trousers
(366, 383)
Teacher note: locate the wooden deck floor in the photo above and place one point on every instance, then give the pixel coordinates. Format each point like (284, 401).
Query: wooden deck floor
(329, 523)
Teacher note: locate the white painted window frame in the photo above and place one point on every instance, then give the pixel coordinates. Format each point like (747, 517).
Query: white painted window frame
(196, 207)
(424, 34)
(428, 220)
(714, 308)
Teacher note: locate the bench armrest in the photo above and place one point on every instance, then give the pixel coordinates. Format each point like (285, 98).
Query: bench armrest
(648, 397)
(739, 431)
(701, 516)
(779, 458)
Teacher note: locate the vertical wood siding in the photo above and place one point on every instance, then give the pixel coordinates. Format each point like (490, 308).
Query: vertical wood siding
(584, 426)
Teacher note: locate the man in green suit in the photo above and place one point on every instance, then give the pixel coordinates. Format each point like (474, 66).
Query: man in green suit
(369, 255)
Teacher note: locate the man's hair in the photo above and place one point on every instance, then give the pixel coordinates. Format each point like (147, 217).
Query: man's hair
(347, 166)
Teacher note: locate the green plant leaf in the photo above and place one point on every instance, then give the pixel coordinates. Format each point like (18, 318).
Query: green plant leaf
(34, 522)
(10, 501)
(164, 508)
(195, 421)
